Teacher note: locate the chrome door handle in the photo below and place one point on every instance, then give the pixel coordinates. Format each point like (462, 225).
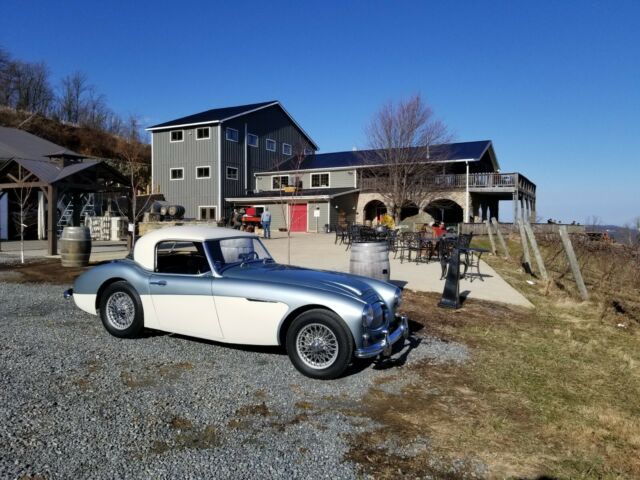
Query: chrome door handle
(162, 283)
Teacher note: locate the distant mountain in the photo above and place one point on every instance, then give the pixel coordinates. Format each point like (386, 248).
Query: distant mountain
(619, 234)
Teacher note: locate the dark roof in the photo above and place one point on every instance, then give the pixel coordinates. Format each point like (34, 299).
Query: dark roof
(38, 156)
(21, 144)
(450, 152)
(213, 115)
(309, 192)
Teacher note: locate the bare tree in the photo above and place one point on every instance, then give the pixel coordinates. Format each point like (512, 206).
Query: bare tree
(73, 88)
(132, 164)
(288, 199)
(402, 160)
(24, 216)
(25, 86)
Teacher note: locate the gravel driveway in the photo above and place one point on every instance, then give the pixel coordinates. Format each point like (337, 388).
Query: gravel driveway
(76, 402)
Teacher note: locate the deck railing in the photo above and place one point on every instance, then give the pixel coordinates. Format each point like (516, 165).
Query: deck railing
(499, 181)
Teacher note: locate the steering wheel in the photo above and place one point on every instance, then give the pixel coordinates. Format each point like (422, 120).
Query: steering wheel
(249, 256)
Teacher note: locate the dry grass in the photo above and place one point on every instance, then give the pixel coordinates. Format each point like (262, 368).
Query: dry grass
(553, 391)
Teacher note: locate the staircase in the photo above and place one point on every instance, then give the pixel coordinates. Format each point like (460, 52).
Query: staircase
(66, 218)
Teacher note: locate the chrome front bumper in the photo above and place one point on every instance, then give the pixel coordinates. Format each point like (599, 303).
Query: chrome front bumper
(385, 345)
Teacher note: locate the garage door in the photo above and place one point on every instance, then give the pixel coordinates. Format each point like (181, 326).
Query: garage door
(299, 218)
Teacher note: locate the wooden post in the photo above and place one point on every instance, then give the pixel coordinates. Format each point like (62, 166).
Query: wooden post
(536, 251)
(2, 194)
(490, 233)
(52, 219)
(573, 261)
(501, 238)
(526, 260)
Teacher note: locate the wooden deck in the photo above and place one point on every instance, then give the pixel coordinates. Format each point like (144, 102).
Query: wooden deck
(478, 182)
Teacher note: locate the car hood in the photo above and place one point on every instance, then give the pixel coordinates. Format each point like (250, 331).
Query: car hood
(343, 283)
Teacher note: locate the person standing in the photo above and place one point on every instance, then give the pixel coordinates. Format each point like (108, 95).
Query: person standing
(265, 219)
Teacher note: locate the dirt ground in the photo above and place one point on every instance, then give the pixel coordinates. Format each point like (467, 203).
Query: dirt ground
(548, 393)
(47, 270)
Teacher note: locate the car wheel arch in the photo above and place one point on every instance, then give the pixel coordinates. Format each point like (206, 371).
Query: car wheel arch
(103, 288)
(286, 323)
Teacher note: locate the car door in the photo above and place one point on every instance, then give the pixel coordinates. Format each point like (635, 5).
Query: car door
(245, 316)
(181, 294)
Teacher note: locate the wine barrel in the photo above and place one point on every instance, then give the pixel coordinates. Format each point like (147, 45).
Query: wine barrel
(176, 211)
(370, 259)
(75, 246)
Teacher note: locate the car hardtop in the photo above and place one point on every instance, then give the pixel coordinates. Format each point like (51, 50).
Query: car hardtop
(144, 249)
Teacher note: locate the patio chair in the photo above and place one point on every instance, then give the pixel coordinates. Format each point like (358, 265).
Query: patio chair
(341, 234)
(409, 243)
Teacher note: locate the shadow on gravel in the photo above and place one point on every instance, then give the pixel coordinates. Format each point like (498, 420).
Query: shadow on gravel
(244, 348)
(393, 362)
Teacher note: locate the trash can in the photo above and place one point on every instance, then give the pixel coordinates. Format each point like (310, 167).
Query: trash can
(326, 228)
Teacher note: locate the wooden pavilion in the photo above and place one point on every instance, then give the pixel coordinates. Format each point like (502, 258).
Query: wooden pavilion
(29, 164)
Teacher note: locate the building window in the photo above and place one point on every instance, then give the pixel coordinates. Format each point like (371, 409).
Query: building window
(203, 133)
(270, 145)
(176, 174)
(319, 180)
(207, 213)
(279, 181)
(203, 172)
(286, 149)
(232, 173)
(231, 134)
(252, 140)
(308, 151)
(177, 136)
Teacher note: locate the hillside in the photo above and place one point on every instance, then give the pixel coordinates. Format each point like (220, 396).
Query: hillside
(83, 140)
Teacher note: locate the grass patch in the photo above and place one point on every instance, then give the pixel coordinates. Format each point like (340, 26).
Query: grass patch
(550, 391)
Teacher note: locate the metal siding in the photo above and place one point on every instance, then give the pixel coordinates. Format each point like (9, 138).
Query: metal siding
(188, 154)
(322, 220)
(337, 179)
(278, 215)
(270, 123)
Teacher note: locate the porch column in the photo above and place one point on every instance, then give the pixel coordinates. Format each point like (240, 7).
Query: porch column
(52, 219)
(515, 207)
(494, 209)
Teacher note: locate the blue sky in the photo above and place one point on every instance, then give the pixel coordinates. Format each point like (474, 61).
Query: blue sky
(555, 85)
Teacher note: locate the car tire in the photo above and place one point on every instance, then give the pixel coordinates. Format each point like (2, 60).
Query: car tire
(319, 344)
(121, 310)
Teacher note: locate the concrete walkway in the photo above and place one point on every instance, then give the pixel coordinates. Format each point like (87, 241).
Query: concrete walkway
(317, 250)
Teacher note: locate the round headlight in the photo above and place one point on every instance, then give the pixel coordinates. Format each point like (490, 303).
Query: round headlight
(367, 315)
(397, 299)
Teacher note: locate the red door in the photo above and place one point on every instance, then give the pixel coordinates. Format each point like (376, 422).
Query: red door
(299, 217)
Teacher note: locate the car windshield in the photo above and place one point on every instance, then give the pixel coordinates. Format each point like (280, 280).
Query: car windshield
(234, 251)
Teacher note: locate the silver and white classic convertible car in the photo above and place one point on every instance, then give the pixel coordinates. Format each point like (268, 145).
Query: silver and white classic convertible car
(222, 284)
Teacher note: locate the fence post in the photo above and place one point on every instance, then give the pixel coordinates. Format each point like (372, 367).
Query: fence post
(526, 261)
(536, 251)
(490, 233)
(500, 238)
(573, 261)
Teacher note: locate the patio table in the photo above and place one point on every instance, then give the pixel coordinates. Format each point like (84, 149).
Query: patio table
(470, 253)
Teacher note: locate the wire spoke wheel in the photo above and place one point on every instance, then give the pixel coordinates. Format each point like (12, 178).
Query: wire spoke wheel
(317, 346)
(120, 310)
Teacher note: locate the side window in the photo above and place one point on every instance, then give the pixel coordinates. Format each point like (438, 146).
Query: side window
(232, 134)
(181, 258)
